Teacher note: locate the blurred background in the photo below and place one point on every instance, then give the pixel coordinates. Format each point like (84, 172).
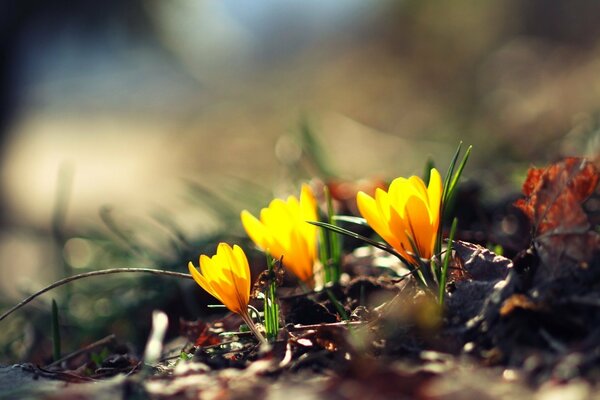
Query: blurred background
(133, 132)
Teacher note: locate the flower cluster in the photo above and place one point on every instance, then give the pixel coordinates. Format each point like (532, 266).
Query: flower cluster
(407, 217)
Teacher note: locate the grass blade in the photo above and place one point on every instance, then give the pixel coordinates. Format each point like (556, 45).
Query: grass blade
(362, 238)
(351, 219)
(338, 306)
(453, 184)
(444, 274)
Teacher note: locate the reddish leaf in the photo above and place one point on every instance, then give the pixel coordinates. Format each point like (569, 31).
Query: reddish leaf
(563, 234)
(554, 196)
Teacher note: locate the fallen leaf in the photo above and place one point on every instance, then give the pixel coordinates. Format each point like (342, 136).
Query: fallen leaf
(563, 235)
(479, 263)
(555, 194)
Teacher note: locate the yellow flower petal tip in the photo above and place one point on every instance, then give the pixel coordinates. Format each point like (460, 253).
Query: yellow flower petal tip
(407, 216)
(282, 230)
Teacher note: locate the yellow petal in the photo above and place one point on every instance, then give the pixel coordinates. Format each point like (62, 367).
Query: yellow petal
(419, 225)
(434, 191)
(308, 203)
(308, 210)
(298, 257)
(231, 268)
(399, 230)
(255, 229)
(200, 280)
(244, 268)
(277, 220)
(391, 219)
(220, 286)
(398, 192)
(371, 211)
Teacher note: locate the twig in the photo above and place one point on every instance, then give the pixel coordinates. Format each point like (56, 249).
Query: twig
(92, 346)
(62, 375)
(94, 273)
(344, 324)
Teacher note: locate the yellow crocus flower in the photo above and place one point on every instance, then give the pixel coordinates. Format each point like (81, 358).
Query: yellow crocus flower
(283, 231)
(408, 209)
(226, 276)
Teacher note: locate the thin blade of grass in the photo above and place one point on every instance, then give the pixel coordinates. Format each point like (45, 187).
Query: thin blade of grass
(446, 184)
(333, 241)
(362, 238)
(338, 306)
(450, 172)
(351, 219)
(444, 274)
(453, 184)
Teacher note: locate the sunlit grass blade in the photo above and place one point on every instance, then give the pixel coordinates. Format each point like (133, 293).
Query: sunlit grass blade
(449, 188)
(354, 235)
(450, 171)
(454, 182)
(323, 256)
(351, 219)
(362, 238)
(334, 249)
(448, 255)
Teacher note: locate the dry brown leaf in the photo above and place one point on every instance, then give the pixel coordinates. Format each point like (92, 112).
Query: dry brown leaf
(555, 194)
(563, 234)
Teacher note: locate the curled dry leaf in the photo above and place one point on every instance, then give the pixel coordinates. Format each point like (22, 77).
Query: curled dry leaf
(563, 234)
(479, 282)
(479, 263)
